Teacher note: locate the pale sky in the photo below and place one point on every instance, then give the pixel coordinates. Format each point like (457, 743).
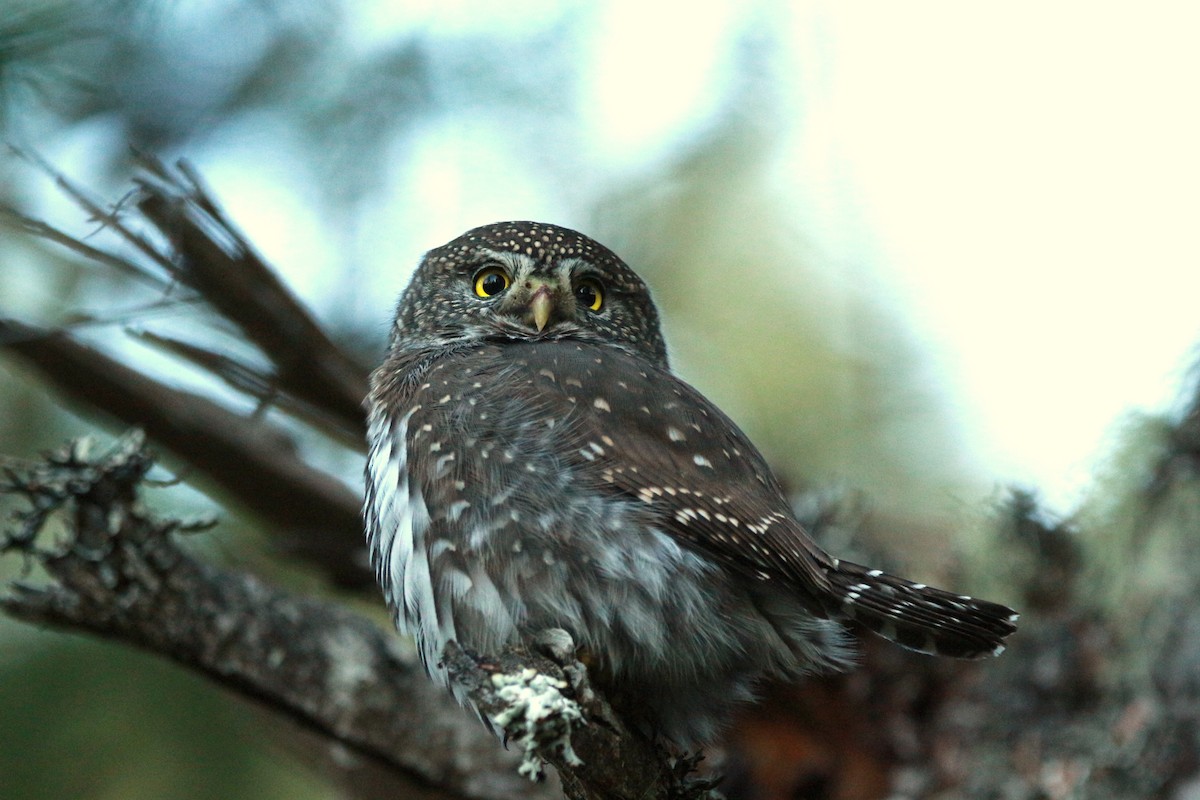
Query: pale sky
(1022, 177)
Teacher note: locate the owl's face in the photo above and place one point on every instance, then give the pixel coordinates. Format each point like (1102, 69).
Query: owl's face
(527, 280)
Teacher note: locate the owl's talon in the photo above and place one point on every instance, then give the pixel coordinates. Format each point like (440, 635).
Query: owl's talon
(556, 644)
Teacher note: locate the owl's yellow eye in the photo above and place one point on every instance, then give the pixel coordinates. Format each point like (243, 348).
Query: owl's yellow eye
(590, 294)
(491, 281)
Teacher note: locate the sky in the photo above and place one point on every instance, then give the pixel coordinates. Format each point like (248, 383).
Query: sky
(1024, 179)
(1034, 200)
(1019, 180)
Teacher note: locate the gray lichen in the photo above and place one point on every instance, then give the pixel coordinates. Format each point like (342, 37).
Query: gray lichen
(538, 716)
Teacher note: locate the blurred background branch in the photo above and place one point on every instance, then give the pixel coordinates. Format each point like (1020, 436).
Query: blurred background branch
(253, 460)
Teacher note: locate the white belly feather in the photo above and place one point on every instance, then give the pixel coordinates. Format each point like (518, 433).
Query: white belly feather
(397, 523)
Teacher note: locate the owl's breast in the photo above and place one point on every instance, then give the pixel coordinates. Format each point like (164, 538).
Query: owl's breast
(490, 512)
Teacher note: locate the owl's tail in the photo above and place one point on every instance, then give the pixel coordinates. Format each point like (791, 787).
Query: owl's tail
(917, 616)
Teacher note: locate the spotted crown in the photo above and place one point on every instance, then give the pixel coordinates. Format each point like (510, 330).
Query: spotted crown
(434, 306)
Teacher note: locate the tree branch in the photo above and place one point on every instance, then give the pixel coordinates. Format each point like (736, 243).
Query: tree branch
(251, 460)
(214, 258)
(597, 757)
(118, 573)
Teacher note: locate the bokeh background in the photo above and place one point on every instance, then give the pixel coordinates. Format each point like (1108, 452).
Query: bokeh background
(919, 251)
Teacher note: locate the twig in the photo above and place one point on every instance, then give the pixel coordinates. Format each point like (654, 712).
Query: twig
(254, 381)
(213, 257)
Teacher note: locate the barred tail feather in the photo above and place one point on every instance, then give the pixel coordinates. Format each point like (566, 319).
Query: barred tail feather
(917, 616)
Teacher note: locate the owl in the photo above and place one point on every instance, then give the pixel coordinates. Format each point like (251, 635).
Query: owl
(534, 464)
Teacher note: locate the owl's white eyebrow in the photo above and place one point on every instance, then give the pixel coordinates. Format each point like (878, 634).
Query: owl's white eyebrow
(586, 269)
(516, 262)
(568, 266)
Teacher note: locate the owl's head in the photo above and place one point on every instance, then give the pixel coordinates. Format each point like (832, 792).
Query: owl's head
(528, 280)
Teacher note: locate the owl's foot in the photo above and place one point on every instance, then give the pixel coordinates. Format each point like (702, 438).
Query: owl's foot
(557, 645)
(688, 784)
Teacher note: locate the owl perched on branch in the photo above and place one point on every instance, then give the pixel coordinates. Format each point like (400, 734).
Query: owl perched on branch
(535, 464)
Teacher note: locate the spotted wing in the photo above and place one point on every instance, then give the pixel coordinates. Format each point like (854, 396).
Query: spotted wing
(647, 435)
(540, 420)
(643, 433)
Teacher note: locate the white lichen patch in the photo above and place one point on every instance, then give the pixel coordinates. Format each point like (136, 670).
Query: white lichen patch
(539, 717)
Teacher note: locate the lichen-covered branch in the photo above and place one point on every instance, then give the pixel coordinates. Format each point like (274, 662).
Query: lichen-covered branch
(118, 573)
(547, 707)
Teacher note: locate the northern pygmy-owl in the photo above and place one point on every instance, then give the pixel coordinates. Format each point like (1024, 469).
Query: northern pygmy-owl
(534, 464)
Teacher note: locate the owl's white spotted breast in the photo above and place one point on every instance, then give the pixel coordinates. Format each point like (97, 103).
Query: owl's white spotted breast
(397, 523)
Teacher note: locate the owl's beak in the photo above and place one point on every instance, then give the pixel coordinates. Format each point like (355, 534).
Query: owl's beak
(540, 306)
